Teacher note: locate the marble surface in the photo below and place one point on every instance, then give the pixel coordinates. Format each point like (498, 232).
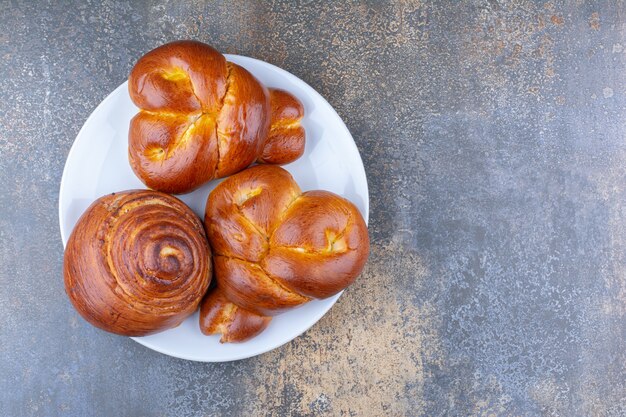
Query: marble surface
(493, 135)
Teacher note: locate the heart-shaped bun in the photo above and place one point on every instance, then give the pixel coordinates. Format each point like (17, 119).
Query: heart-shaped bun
(275, 248)
(202, 117)
(137, 262)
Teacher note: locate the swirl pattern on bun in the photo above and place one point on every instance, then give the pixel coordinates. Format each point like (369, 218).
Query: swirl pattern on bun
(137, 262)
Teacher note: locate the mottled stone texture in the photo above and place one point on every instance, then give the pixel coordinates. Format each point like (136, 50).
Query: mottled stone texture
(493, 138)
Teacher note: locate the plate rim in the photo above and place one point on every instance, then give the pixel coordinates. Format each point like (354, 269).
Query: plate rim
(351, 143)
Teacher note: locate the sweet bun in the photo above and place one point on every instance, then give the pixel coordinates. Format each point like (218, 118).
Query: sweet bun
(275, 248)
(202, 117)
(285, 141)
(137, 262)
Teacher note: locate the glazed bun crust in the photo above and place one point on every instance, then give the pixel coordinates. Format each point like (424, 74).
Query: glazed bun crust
(202, 117)
(137, 262)
(286, 139)
(277, 247)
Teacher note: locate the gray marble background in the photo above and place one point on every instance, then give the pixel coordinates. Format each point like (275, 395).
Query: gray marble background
(493, 135)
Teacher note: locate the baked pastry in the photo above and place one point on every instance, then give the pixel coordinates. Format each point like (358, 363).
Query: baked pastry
(276, 248)
(202, 117)
(137, 262)
(285, 141)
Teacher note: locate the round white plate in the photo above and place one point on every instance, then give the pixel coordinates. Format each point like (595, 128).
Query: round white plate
(98, 164)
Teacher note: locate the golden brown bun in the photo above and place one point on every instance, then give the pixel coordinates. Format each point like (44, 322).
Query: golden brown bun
(218, 315)
(137, 262)
(276, 247)
(200, 118)
(285, 142)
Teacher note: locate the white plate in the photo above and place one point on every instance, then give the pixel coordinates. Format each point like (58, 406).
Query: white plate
(98, 164)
